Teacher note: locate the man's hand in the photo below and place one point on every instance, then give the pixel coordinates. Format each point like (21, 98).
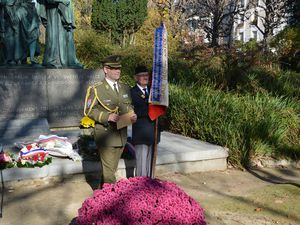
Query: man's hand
(133, 118)
(113, 117)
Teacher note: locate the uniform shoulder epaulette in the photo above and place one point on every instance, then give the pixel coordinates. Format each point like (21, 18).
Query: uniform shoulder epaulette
(97, 84)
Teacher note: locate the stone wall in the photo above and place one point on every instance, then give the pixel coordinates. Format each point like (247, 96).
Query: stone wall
(54, 95)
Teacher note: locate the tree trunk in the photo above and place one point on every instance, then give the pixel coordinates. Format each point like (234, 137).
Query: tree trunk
(132, 38)
(109, 35)
(266, 40)
(214, 38)
(215, 32)
(124, 39)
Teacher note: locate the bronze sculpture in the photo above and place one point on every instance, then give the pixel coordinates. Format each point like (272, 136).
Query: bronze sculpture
(19, 32)
(57, 17)
(19, 28)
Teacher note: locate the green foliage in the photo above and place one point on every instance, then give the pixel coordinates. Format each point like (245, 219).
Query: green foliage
(145, 36)
(82, 13)
(238, 98)
(131, 14)
(243, 71)
(104, 18)
(281, 83)
(287, 47)
(131, 57)
(250, 46)
(120, 19)
(91, 48)
(247, 125)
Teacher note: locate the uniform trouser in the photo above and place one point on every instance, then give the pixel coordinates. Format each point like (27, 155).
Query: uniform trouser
(109, 157)
(143, 154)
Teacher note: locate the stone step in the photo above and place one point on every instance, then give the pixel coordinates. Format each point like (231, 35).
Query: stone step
(183, 154)
(175, 153)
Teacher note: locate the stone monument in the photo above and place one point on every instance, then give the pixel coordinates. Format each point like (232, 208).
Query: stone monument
(35, 98)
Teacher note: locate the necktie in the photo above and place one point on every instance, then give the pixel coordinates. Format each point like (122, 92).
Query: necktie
(145, 91)
(115, 88)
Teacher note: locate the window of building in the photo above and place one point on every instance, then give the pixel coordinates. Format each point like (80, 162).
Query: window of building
(242, 3)
(254, 34)
(241, 36)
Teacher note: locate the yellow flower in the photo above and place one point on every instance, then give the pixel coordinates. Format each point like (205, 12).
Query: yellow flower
(87, 122)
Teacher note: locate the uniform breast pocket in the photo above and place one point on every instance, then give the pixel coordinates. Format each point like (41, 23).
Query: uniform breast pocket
(125, 98)
(107, 102)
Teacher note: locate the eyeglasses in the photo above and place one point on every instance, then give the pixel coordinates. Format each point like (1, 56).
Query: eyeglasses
(113, 68)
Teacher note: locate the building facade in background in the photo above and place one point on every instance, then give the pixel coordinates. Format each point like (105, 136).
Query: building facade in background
(249, 19)
(251, 23)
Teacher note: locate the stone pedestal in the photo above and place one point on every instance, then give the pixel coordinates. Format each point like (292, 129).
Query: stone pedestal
(55, 95)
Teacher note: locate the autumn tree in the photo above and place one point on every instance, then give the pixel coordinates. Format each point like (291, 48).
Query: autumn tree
(216, 17)
(270, 15)
(83, 12)
(174, 12)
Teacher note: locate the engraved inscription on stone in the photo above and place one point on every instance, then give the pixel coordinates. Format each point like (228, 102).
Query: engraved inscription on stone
(22, 94)
(66, 91)
(54, 94)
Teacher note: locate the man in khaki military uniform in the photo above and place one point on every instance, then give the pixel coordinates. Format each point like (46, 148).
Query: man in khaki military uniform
(109, 100)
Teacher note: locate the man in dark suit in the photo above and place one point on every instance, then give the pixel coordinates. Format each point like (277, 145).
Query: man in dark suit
(110, 100)
(143, 129)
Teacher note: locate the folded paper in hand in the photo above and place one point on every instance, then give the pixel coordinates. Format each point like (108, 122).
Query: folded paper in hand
(124, 120)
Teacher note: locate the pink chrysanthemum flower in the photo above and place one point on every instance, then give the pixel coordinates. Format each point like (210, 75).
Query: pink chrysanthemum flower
(140, 200)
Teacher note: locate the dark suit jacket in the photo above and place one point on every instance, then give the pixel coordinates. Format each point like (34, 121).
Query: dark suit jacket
(143, 128)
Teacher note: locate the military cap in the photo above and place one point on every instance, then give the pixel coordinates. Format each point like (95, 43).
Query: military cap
(113, 61)
(141, 70)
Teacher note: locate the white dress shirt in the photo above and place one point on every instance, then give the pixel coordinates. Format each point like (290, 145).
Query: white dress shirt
(142, 88)
(111, 84)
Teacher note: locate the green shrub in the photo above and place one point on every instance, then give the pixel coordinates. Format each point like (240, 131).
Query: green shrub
(180, 70)
(287, 46)
(237, 73)
(289, 83)
(248, 125)
(91, 48)
(281, 83)
(131, 57)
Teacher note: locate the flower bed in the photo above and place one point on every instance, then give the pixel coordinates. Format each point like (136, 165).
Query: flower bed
(140, 200)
